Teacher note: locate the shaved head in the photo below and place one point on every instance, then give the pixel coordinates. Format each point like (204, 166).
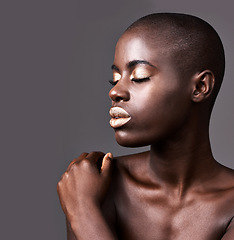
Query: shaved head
(192, 44)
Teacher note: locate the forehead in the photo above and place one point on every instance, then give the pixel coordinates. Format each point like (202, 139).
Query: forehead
(140, 46)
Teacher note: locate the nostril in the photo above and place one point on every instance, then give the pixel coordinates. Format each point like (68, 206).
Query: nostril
(118, 99)
(119, 93)
(115, 96)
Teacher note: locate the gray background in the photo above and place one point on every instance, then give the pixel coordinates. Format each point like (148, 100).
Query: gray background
(55, 66)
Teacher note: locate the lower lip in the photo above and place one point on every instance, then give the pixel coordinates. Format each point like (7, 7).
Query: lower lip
(118, 122)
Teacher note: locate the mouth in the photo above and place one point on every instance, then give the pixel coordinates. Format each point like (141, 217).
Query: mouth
(119, 117)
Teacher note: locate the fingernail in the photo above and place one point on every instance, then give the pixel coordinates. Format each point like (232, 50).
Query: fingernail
(109, 155)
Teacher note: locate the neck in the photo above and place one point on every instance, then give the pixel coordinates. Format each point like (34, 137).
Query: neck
(183, 161)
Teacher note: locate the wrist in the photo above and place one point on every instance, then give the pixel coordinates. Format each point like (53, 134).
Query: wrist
(84, 212)
(89, 221)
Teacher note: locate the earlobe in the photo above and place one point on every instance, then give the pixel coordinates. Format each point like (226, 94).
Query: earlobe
(203, 86)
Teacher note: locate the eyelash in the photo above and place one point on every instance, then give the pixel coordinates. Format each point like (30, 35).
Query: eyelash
(138, 80)
(113, 82)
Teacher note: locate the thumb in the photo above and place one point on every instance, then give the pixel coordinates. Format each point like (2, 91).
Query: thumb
(107, 164)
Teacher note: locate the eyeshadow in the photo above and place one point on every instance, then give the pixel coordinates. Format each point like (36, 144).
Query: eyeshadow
(140, 73)
(116, 76)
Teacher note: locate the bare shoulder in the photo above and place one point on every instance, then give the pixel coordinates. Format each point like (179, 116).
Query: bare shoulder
(220, 186)
(124, 167)
(221, 190)
(225, 187)
(225, 178)
(131, 163)
(227, 184)
(132, 169)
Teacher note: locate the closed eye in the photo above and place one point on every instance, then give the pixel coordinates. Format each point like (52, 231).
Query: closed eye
(112, 82)
(139, 80)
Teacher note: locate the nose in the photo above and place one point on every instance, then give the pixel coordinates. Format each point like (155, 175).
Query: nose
(119, 93)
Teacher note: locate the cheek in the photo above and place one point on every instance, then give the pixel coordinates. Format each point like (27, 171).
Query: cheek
(155, 114)
(153, 105)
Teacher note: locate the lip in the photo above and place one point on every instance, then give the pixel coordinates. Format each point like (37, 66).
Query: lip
(119, 117)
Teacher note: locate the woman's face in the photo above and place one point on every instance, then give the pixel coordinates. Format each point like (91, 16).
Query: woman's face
(154, 101)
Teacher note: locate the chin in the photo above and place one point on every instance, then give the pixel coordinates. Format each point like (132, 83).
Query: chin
(129, 140)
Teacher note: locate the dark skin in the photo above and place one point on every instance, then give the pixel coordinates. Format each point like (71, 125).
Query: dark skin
(176, 190)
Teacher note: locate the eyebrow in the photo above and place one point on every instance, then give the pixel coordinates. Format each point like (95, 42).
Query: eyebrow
(136, 62)
(113, 67)
(133, 63)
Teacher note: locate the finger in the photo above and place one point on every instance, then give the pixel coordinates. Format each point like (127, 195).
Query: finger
(82, 156)
(107, 165)
(93, 157)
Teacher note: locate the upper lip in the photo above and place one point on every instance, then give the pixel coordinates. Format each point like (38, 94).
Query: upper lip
(118, 112)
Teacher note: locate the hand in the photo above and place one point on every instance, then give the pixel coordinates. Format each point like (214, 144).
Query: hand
(84, 183)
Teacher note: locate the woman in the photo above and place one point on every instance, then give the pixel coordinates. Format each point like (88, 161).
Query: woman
(167, 72)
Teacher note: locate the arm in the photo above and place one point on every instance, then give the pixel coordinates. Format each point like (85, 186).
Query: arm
(108, 210)
(82, 190)
(71, 235)
(229, 235)
(91, 225)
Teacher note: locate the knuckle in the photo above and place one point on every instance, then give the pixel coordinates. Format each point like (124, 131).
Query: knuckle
(85, 163)
(72, 162)
(62, 178)
(95, 155)
(72, 169)
(72, 165)
(83, 153)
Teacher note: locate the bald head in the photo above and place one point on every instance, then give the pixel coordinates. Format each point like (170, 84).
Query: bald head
(191, 43)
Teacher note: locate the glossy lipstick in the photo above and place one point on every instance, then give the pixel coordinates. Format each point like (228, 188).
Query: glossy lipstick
(119, 117)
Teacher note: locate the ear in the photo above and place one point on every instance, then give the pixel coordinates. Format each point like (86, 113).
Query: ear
(203, 86)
